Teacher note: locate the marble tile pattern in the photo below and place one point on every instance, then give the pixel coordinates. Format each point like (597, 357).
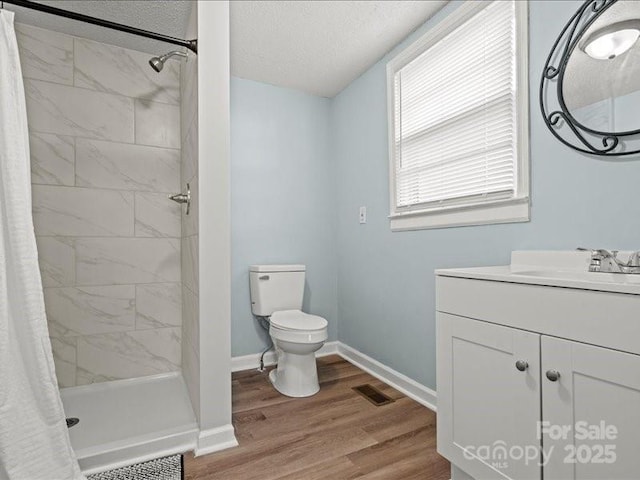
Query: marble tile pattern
(157, 124)
(75, 311)
(52, 159)
(106, 68)
(158, 305)
(45, 55)
(57, 259)
(157, 216)
(190, 319)
(114, 356)
(122, 166)
(72, 211)
(64, 357)
(109, 261)
(190, 247)
(189, 263)
(189, 91)
(189, 165)
(105, 141)
(65, 110)
(191, 375)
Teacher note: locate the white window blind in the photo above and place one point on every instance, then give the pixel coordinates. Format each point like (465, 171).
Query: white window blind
(455, 119)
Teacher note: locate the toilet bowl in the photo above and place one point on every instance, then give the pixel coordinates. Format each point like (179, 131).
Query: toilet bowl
(296, 336)
(276, 293)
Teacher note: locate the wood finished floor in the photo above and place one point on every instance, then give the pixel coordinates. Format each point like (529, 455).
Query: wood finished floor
(336, 434)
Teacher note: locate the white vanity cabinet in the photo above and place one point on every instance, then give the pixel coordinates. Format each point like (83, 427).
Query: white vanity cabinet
(599, 387)
(484, 402)
(537, 381)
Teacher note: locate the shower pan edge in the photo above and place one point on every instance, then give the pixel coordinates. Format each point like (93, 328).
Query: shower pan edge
(123, 422)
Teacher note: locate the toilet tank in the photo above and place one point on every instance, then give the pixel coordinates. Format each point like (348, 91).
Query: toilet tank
(276, 287)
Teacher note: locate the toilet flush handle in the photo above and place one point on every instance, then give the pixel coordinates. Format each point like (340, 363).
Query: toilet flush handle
(264, 277)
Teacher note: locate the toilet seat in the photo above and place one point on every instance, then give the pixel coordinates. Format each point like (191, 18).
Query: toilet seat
(298, 327)
(297, 321)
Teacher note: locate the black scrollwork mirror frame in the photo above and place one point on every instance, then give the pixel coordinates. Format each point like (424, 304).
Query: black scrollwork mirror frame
(558, 119)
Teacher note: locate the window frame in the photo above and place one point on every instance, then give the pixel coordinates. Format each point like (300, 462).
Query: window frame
(513, 209)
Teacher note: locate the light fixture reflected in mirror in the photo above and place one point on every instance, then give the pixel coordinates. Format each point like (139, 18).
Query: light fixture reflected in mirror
(613, 40)
(591, 106)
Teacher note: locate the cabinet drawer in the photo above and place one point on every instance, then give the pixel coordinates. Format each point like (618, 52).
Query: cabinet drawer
(601, 318)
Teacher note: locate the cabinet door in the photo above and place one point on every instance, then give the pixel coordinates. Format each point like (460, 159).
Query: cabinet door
(488, 409)
(596, 396)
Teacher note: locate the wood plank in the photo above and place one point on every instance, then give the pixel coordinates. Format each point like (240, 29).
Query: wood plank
(335, 434)
(340, 468)
(292, 455)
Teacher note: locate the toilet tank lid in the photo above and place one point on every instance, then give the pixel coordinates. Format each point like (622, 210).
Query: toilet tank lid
(277, 268)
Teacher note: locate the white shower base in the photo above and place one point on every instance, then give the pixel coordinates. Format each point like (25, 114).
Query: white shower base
(130, 421)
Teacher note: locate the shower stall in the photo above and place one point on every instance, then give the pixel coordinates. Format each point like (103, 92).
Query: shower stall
(137, 309)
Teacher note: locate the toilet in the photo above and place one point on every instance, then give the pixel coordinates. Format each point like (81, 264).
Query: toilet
(276, 293)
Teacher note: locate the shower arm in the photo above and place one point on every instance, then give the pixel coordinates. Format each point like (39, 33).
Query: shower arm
(190, 44)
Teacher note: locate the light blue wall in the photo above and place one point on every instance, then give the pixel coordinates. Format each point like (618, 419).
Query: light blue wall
(283, 201)
(303, 165)
(385, 279)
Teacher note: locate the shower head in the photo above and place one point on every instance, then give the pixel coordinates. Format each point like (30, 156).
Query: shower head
(157, 63)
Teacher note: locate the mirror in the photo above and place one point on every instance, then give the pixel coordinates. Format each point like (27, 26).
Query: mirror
(590, 88)
(602, 90)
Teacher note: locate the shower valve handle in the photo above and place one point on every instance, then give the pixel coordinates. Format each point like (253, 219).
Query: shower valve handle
(183, 198)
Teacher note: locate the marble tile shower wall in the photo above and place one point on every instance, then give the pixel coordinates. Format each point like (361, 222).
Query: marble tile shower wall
(105, 154)
(190, 249)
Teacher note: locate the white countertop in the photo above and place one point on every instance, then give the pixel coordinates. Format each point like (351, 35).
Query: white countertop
(567, 269)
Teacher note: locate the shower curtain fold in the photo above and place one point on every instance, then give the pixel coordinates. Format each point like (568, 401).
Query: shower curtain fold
(34, 441)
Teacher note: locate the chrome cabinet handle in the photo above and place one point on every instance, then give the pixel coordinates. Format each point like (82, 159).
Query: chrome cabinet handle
(553, 375)
(522, 365)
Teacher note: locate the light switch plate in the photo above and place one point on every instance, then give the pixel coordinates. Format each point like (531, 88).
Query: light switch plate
(363, 214)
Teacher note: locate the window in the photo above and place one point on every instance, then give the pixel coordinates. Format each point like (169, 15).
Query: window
(458, 121)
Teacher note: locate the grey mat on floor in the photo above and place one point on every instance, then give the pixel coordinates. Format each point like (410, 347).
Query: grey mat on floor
(167, 468)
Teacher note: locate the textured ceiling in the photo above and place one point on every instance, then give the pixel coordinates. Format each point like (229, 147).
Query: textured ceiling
(163, 16)
(588, 80)
(315, 46)
(318, 46)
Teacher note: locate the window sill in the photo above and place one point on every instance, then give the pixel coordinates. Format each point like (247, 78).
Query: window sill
(504, 211)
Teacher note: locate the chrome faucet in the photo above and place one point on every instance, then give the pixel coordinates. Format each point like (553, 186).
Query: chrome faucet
(634, 259)
(608, 262)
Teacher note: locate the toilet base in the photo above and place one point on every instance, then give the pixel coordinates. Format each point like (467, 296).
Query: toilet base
(296, 375)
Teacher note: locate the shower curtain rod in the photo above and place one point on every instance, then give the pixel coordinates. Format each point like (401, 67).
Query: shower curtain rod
(190, 44)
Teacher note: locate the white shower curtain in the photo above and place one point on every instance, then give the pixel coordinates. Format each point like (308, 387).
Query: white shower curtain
(34, 442)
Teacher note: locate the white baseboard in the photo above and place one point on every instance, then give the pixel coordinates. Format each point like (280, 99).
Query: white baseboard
(329, 348)
(215, 439)
(252, 361)
(412, 389)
